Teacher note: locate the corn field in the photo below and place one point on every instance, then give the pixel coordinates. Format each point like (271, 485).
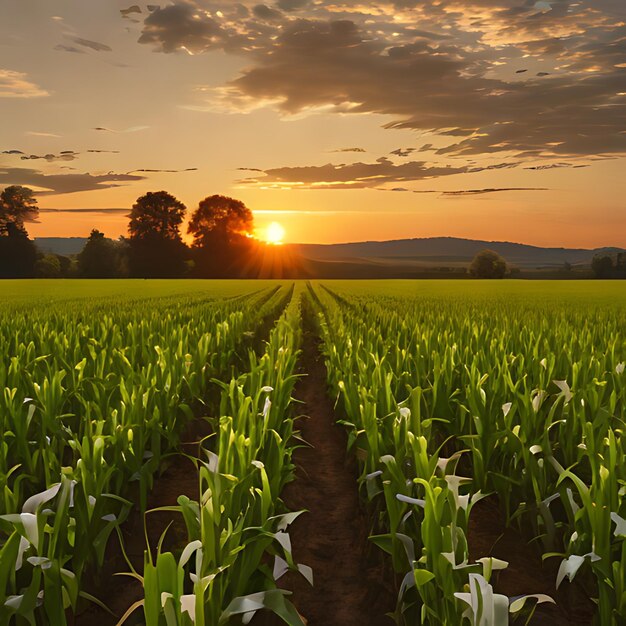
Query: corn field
(452, 396)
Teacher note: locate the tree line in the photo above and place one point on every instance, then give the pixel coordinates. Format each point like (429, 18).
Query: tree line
(220, 226)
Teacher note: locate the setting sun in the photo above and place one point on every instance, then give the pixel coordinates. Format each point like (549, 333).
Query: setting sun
(274, 233)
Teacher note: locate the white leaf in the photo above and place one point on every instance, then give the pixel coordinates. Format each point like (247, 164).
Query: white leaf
(620, 525)
(565, 390)
(506, 408)
(409, 500)
(281, 567)
(32, 504)
(307, 572)
(188, 605)
(568, 568)
(190, 548)
(14, 602)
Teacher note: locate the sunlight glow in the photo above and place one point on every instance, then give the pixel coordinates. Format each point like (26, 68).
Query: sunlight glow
(274, 234)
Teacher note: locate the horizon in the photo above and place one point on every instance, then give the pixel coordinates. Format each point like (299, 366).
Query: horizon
(496, 120)
(369, 241)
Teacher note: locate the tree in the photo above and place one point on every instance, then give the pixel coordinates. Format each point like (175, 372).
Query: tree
(155, 245)
(18, 254)
(100, 258)
(17, 205)
(48, 266)
(488, 264)
(602, 266)
(221, 227)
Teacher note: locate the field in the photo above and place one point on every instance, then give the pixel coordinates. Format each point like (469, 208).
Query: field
(337, 452)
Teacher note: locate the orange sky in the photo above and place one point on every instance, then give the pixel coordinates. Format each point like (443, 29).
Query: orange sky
(337, 121)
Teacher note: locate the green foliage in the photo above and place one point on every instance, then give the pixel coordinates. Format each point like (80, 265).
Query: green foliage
(452, 397)
(488, 264)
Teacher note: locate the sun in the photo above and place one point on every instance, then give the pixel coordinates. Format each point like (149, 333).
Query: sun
(274, 234)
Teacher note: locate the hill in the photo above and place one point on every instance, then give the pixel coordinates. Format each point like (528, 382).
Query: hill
(61, 245)
(446, 251)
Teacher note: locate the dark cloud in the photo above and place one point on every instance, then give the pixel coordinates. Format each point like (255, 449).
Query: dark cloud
(132, 129)
(292, 5)
(263, 12)
(130, 10)
(182, 26)
(349, 150)
(63, 48)
(359, 175)
(553, 166)
(459, 75)
(87, 43)
(12, 152)
(55, 184)
(104, 151)
(110, 211)
(66, 155)
(189, 169)
(403, 152)
(476, 192)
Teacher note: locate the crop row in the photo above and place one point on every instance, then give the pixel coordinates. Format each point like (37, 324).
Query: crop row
(94, 394)
(448, 402)
(238, 541)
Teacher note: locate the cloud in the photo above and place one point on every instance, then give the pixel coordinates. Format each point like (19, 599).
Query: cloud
(454, 76)
(54, 184)
(132, 129)
(17, 85)
(403, 152)
(349, 150)
(182, 26)
(263, 12)
(12, 152)
(359, 175)
(476, 192)
(130, 10)
(110, 211)
(63, 48)
(104, 151)
(189, 169)
(33, 133)
(292, 5)
(87, 43)
(66, 155)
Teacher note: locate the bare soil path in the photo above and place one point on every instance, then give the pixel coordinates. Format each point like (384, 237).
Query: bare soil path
(350, 582)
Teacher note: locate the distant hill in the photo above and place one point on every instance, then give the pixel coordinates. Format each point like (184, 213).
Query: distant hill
(402, 258)
(445, 251)
(61, 245)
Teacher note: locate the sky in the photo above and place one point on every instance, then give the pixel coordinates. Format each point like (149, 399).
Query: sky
(341, 121)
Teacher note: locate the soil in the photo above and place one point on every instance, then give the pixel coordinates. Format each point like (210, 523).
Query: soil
(180, 477)
(331, 537)
(353, 584)
(526, 573)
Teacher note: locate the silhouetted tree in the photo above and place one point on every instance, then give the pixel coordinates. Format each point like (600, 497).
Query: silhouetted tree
(18, 253)
(48, 266)
(155, 245)
(602, 266)
(100, 258)
(17, 205)
(488, 264)
(222, 247)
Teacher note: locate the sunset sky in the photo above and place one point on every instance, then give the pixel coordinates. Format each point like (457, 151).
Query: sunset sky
(341, 121)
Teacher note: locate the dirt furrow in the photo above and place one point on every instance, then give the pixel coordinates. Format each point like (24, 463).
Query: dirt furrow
(331, 537)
